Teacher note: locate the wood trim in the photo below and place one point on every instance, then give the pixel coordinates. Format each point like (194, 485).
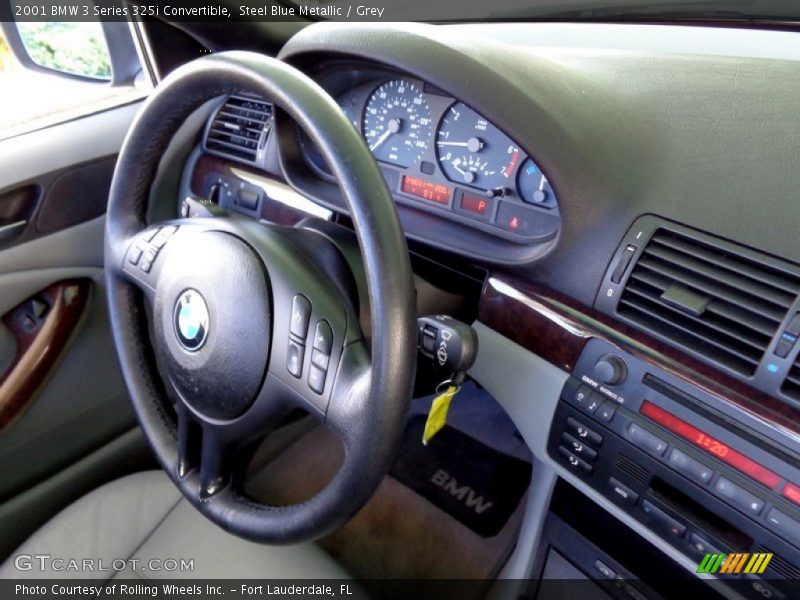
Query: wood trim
(271, 209)
(556, 328)
(38, 350)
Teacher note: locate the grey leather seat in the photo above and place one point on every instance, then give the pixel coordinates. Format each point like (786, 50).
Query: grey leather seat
(141, 527)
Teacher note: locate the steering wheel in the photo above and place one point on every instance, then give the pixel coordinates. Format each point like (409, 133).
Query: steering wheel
(223, 326)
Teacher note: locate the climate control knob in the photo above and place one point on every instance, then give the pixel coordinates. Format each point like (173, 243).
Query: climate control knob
(610, 370)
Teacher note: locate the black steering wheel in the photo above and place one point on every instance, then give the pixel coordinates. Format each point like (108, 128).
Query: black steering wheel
(245, 326)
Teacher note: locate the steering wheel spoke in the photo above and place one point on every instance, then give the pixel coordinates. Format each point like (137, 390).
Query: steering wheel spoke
(217, 459)
(189, 439)
(139, 253)
(217, 454)
(348, 406)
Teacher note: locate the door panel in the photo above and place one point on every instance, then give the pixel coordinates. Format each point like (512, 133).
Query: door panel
(80, 403)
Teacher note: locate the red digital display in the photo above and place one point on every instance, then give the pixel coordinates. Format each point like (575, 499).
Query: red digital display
(791, 492)
(474, 204)
(426, 190)
(711, 445)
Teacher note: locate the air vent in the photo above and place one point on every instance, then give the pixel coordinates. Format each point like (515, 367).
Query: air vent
(724, 305)
(791, 386)
(239, 128)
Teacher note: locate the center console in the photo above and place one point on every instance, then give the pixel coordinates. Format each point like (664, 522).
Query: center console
(707, 476)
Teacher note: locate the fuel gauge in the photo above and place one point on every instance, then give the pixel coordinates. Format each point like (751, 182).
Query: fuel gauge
(533, 186)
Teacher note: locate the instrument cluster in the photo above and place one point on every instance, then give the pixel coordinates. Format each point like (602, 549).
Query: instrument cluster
(442, 156)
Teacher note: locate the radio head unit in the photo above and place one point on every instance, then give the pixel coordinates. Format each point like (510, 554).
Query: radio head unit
(709, 478)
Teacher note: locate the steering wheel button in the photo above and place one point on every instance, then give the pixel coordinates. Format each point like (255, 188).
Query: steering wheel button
(163, 235)
(316, 379)
(294, 358)
(301, 313)
(319, 359)
(150, 254)
(134, 255)
(323, 338)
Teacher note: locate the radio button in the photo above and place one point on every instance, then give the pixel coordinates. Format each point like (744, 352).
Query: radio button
(610, 370)
(701, 546)
(622, 492)
(586, 399)
(606, 411)
(738, 496)
(784, 525)
(662, 520)
(646, 440)
(573, 461)
(578, 447)
(584, 433)
(604, 569)
(685, 464)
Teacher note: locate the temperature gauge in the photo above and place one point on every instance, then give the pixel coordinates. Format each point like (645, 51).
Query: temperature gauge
(533, 186)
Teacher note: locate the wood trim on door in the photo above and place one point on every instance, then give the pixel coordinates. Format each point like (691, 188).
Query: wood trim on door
(39, 348)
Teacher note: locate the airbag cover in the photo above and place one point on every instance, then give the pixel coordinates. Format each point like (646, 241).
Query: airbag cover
(214, 351)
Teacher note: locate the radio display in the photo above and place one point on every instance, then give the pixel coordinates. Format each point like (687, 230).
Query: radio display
(711, 445)
(426, 189)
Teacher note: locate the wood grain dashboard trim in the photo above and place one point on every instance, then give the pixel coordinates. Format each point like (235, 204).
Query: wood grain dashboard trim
(281, 204)
(557, 328)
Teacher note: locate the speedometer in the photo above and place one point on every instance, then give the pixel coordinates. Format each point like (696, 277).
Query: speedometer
(473, 151)
(397, 123)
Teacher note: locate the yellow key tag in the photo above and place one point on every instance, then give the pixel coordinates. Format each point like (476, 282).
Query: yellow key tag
(437, 418)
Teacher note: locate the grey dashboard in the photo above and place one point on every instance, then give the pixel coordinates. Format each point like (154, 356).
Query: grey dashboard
(696, 129)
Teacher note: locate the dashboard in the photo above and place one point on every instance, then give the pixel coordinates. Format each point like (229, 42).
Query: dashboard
(635, 213)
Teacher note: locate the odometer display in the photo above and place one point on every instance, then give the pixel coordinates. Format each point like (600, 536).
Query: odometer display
(397, 123)
(426, 190)
(711, 445)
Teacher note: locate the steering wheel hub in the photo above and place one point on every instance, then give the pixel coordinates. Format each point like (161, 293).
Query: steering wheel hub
(213, 322)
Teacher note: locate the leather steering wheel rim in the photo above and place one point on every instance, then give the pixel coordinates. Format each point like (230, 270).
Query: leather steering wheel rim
(372, 384)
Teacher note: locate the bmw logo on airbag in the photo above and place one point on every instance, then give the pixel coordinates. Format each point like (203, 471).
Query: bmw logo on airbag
(191, 320)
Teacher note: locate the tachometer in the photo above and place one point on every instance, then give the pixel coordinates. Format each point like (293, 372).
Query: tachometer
(473, 151)
(397, 123)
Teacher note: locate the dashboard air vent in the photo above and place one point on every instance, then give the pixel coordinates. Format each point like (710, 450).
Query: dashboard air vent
(239, 128)
(723, 304)
(791, 386)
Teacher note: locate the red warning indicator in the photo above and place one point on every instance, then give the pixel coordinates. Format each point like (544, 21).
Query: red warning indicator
(475, 204)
